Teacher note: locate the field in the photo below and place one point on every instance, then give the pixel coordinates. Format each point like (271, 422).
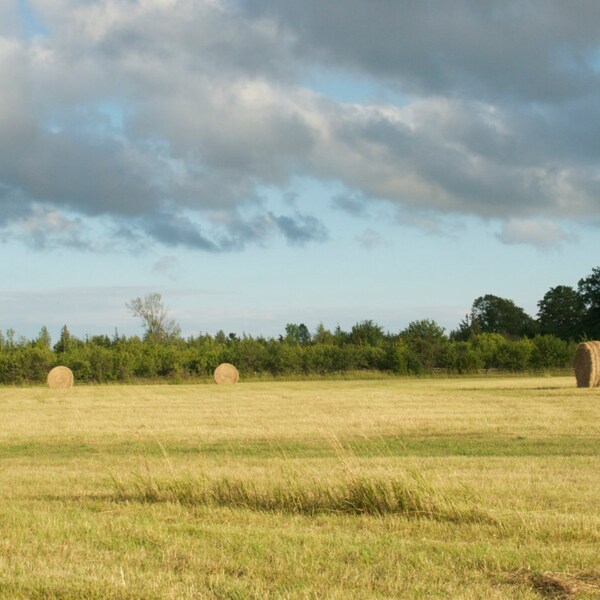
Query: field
(449, 488)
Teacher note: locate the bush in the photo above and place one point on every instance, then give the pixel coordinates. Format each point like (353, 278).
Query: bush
(514, 356)
(550, 352)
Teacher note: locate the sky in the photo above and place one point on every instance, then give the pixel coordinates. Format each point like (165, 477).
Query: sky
(262, 162)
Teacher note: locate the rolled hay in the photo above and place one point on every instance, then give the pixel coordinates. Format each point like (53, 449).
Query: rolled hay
(587, 364)
(60, 377)
(226, 373)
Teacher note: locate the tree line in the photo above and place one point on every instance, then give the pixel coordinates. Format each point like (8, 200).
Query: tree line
(565, 312)
(495, 335)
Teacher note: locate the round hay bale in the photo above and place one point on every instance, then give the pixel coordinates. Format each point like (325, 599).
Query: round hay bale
(60, 377)
(587, 364)
(226, 373)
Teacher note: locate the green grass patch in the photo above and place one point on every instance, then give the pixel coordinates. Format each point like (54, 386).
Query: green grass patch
(435, 445)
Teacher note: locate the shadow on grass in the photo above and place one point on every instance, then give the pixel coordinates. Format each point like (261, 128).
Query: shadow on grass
(556, 585)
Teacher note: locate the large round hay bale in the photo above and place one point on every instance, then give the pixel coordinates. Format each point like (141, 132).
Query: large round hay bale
(226, 373)
(587, 364)
(60, 377)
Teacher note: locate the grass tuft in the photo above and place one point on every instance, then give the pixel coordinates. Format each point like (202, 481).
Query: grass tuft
(355, 495)
(355, 492)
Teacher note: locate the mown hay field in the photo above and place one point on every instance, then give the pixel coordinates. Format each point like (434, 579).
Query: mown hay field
(459, 488)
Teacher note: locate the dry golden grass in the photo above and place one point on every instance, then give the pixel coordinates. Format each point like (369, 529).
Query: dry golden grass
(270, 490)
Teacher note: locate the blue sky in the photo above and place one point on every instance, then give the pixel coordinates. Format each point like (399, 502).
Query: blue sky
(262, 162)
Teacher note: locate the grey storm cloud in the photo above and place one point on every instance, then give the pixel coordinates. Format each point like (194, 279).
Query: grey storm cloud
(177, 230)
(169, 117)
(180, 230)
(352, 203)
(301, 229)
(542, 50)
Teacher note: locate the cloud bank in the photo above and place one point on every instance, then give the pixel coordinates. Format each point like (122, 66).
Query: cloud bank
(168, 118)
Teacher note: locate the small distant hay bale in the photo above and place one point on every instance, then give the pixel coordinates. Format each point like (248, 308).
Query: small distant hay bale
(587, 364)
(60, 377)
(226, 373)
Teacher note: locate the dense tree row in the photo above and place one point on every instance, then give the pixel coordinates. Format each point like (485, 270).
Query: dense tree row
(565, 312)
(497, 334)
(423, 347)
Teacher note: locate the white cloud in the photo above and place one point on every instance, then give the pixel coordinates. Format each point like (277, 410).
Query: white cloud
(48, 228)
(540, 233)
(211, 109)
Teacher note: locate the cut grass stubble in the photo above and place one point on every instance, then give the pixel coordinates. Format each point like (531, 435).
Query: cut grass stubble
(432, 489)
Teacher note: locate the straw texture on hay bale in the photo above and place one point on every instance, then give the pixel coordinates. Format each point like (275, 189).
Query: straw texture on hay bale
(60, 377)
(587, 364)
(226, 373)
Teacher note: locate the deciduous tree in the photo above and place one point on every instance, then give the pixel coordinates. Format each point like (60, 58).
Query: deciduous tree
(155, 318)
(501, 315)
(561, 312)
(589, 289)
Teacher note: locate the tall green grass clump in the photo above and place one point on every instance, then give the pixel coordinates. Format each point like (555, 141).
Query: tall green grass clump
(357, 494)
(353, 492)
